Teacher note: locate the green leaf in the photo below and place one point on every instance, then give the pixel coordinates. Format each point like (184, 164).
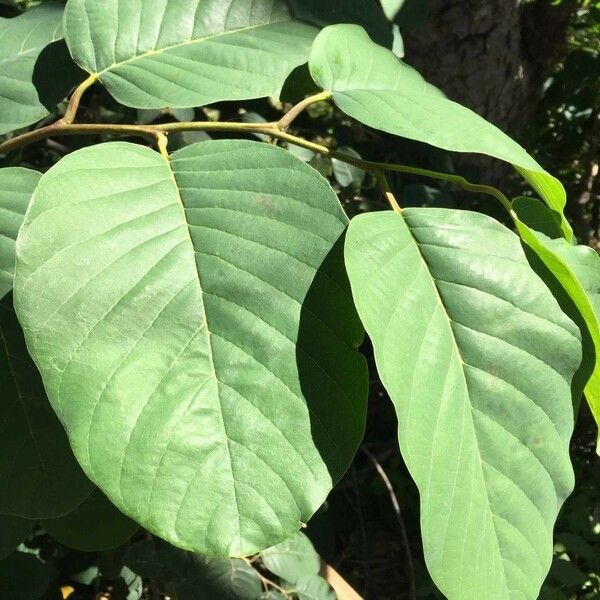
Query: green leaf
(13, 530)
(39, 477)
(314, 587)
(141, 558)
(93, 526)
(206, 321)
(27, 95)
(292, 559)
(187, 54)
(16, 187)
(128, 586)
(194, 576)
(371, 85)
(345, 174)
(478, 359)
(272, 595)
(24, 576)
(577, 271)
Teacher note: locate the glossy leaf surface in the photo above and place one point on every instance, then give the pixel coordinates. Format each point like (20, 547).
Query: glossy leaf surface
(16, 188)
(171, 53)
(478, 359)
(371, 85)
(93, 526)
(24, 99)
(198, 309)
(39, 476)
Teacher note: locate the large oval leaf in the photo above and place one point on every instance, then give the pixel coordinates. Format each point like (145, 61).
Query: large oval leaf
(199, 311)
(16, 188)
(577, 271)
(26, 91)
(153, 54)
(478, 359)
(39, 476)
(95, 525)
(370, 84)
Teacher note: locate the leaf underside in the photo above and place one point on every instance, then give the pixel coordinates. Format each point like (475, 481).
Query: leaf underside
(185, 54)
(371, 85)
(451, 306)
(199, 311)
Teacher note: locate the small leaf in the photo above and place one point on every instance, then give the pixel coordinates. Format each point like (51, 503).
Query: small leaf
(272, 595)
(303, 154)
(206, 321)
(93, 526)
(16, 187)
(292, 558)
(39, 477)
(23, 39)
(187, 54)
(13, 530)
(128, 586)
(371, 85)
(479, 359)
(345, 174)
(314, 587)
(253, 117)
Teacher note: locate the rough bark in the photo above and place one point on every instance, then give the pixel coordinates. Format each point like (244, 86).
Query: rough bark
(491, 55)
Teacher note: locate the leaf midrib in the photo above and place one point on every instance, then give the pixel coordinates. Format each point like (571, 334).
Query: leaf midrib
(448, 322)
(207, 330)
(159, 51)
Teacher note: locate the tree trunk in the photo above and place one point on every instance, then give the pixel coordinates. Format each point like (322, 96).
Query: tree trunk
(490, 55)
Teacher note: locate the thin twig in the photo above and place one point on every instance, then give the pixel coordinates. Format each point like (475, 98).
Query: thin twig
(65, 126)
(387, 192)
(410, 571)
(299, 108)
(73, 105)
(266, 582)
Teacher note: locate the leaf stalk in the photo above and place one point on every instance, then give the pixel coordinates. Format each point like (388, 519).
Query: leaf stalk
(275, 130)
